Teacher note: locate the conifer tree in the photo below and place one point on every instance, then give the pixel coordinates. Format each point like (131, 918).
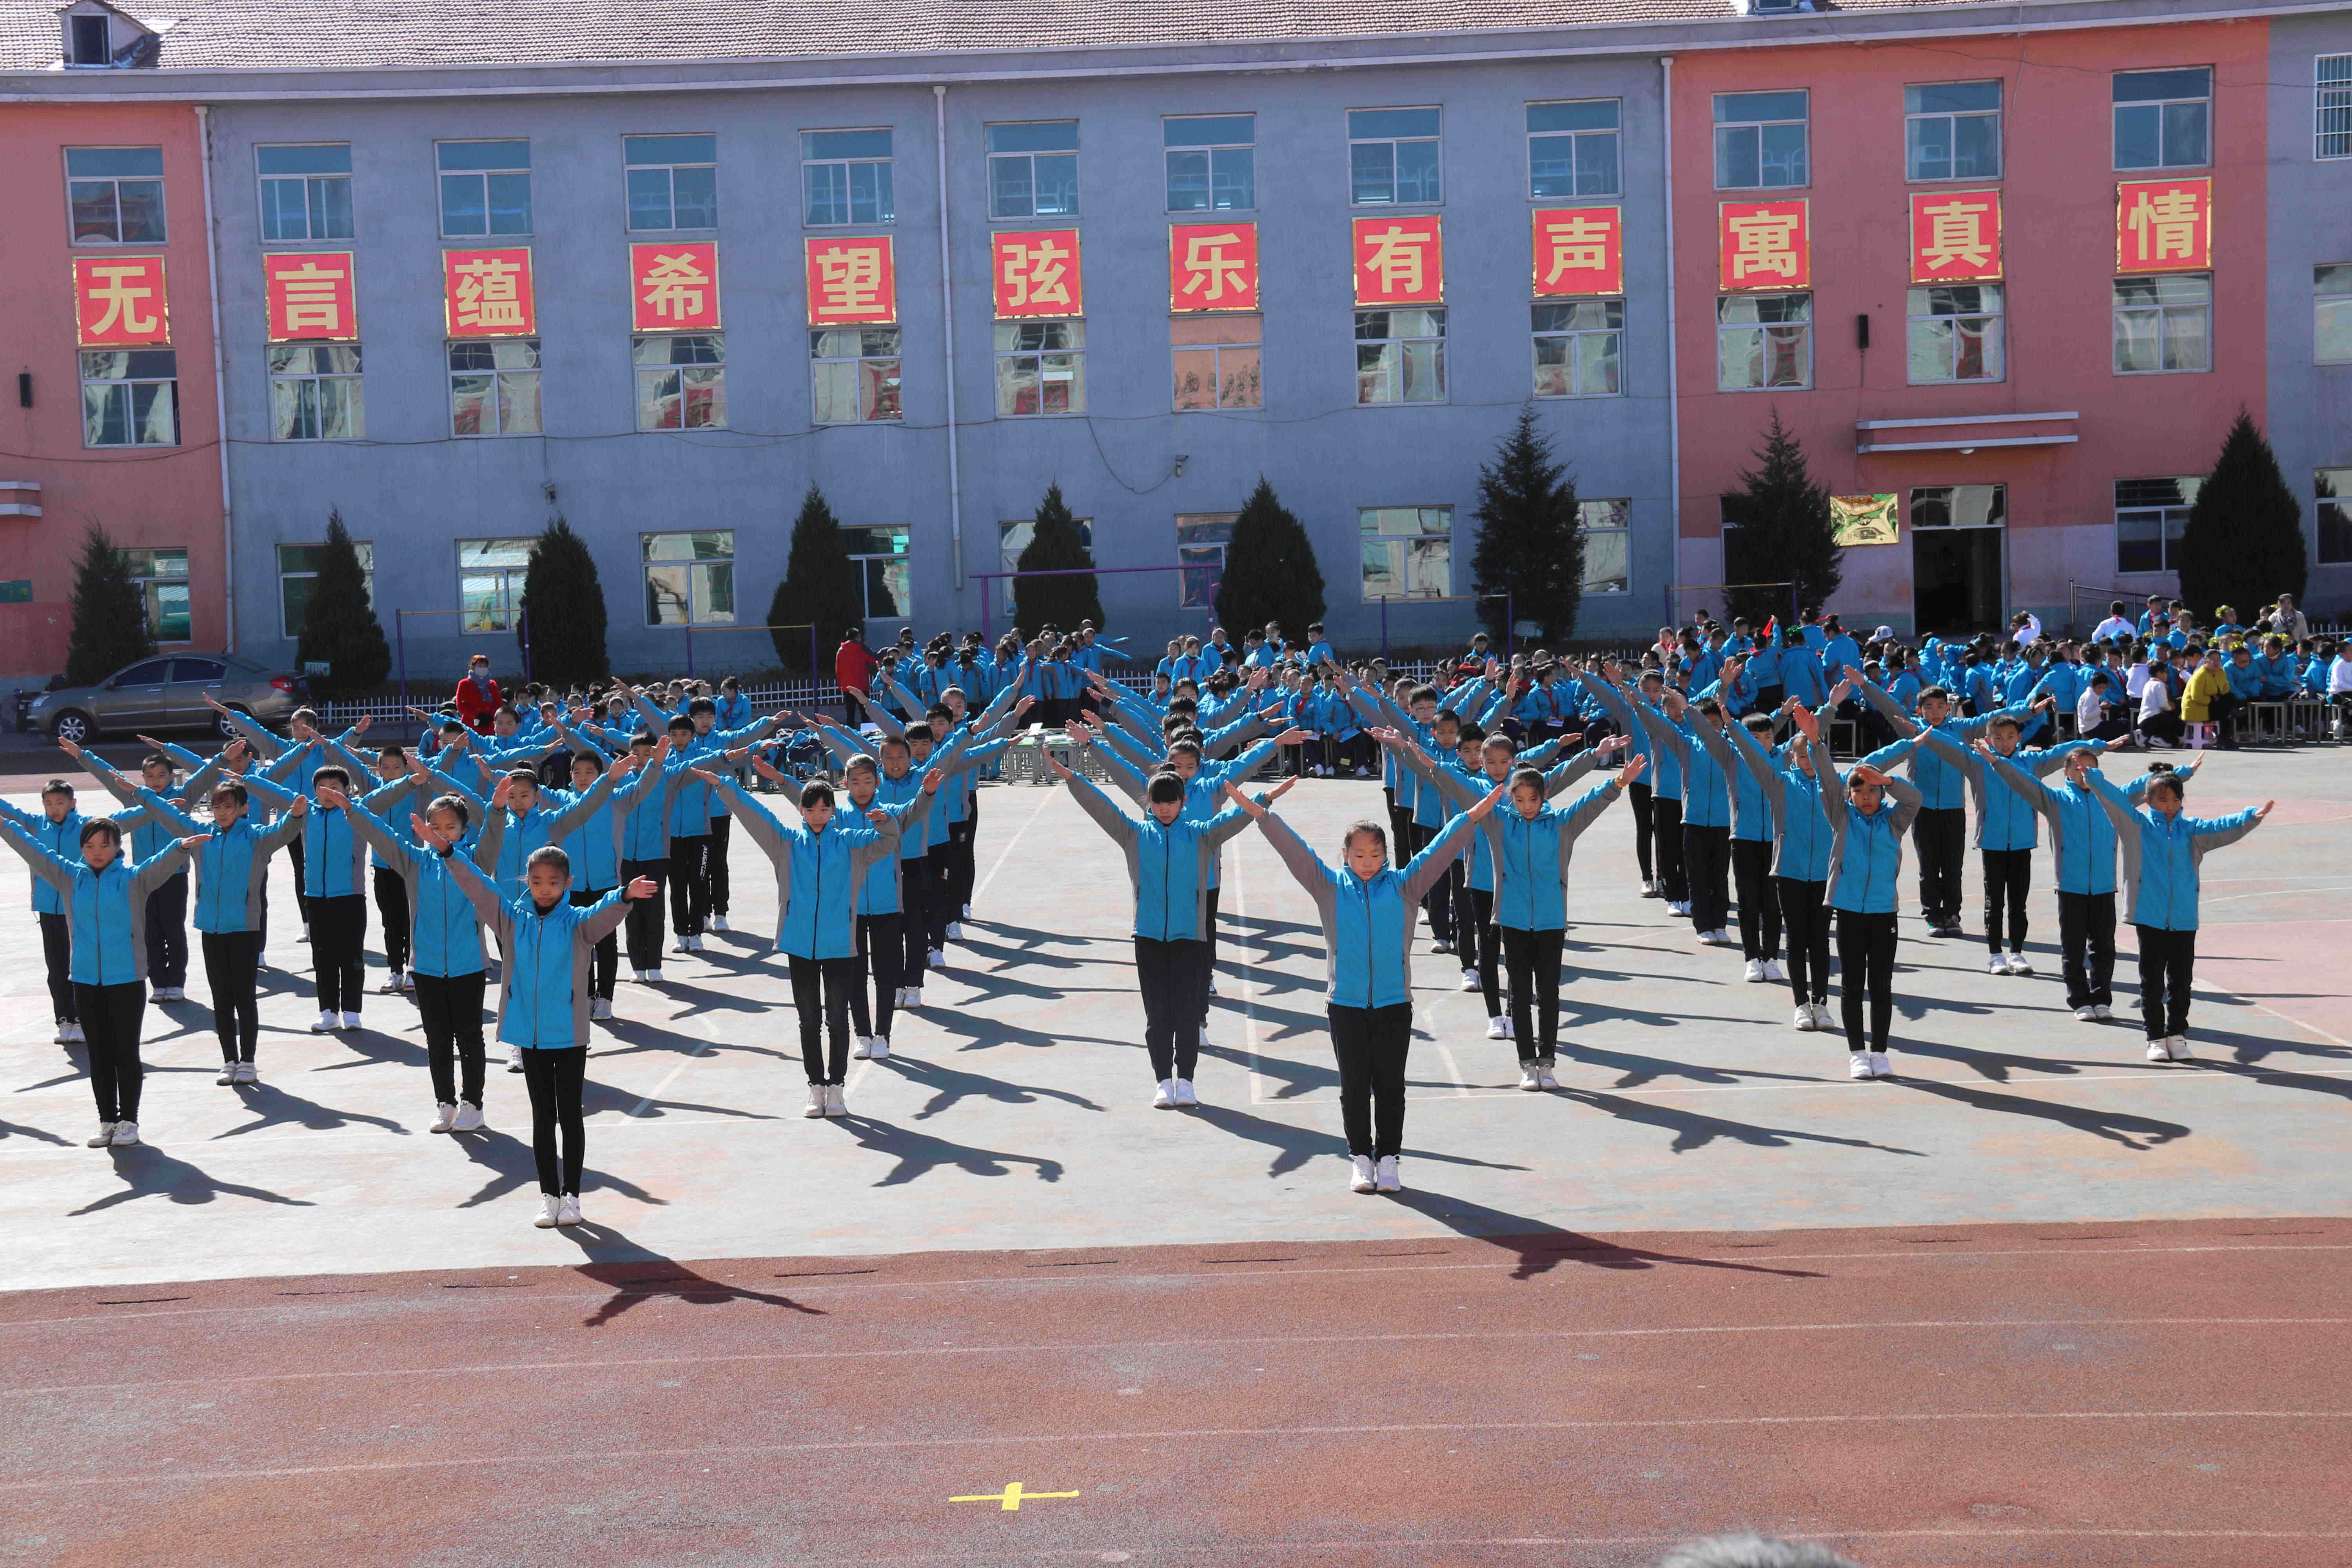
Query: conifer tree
(109, 616)
(819, 586)
(2244, 543)
(1531, 541)
(339, 625)
(561, 623)
(1055, 546)
(1270, 571)
(1784, 533)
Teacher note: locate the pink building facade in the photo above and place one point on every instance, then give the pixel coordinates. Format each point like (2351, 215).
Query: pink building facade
(108, 416)
(2035, 382)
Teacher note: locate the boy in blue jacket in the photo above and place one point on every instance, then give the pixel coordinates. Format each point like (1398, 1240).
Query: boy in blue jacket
(57, 828)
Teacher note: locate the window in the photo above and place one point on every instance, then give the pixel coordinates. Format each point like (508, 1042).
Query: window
(88, 43)
(1399, 356)
(162, 576)
(2331, 308)
(1041, 368)
(1763, 341)
(2164, 323)
(306, 191)
(1608, 544)
(115, 195)
(1216, 360)
(1391, 156)
(2332, 106)
(1211, 163)
(485, 187)
(489, 582)
(1576, 344)
(690, 578)
(1759, 141)
(1951, 130)
(2150, 517)
(2164, 119)
(681, 380)
(1012, 538)
(2334, 493)
(297, 566)
(845, 176)
(130, 398)
(1961, 506)
(854, 374)
(878, 555)
(314, 391)
(1572, 149)
(1201, 541)
(494, 387)
(673, 180)
(1408, 551)
(1955, 332)
(1032, 169)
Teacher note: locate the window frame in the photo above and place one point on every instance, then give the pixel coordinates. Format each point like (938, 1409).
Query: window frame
(1622, 529)
(648, 564)
(499, 376)
(1252, 346)
(1719, 125)
(143, 559)
(510, 585)
(356, 400)
(1401, 374)
(441, 177)
(887, 195)
(1576, 337)
(2323, 505)
(2116, 106)
(2322, 85)
(1994, 344)
(114, 183)
(1764, 330)
(891, 390)
(863, 560)
(1210, 149)
(1575, 137)
(128, 383)
(644, 370)
(1436, 139)
(990, 157)
(307, 179)
(2320, 310)
(2162, 514)
(1073, 349)
(366, 550)
(1371, 535)
(1198, 536)
(2164, 315)
(1999, 115)
(671, 167)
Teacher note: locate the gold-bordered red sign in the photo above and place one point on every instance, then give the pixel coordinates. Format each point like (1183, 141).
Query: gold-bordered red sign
(1765, 245)
(1400, 260)
(1036, 272)
(489, 294)
(853, 280)
(311, 294)
(2164, 226)
(1955, 236)
(120, 301)
(1212, 267)
(1578, 251)
(674, 287)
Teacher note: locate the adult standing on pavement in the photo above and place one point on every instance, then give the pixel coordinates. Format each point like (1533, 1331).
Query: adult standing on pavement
(852, 671)
(478, 695)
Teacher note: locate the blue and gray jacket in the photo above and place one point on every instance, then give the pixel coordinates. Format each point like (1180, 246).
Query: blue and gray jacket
(105, 910)
(445, 928)
(2162, 856)
(2004, 818)
(544, 987)
(1865, 849)
(1367, 922)
(1801, 840)
(820, 874)
(2082, 840)
(233, 867)
(1167, 863)
(61, 837)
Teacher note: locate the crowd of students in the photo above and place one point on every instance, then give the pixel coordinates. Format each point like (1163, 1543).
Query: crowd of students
(555, 821)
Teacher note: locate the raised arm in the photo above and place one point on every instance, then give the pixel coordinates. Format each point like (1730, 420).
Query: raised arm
(492, 912)
(2214, 832)
(158, 869)
(47, 865)
(587, 805)
(1908, 801)
(766, 830)
(2035, 791)
(1575, 768)
(379, 834)
(1303, 863)
(266, 746)
(1123, 829)
(165, 811)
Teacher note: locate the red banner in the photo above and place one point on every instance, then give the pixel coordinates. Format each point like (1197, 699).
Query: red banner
(311, 294)
(1955, 236)
(674, 287)
(1578, 251)
(119, 301)
(1212, 266)
(1400, 260)
(852, 280)
(488, 293)
(1036, 272)
(2164, 226)
(1765, 245)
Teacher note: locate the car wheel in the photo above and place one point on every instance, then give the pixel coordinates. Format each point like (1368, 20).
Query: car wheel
(74, 725)
(226, 730)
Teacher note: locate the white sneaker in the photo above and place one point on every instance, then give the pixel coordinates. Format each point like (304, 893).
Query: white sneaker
(1857, 1064)
(2160, 1051)
(1722, 937)
(914, 997)
(697, 940)
(1544, 1077)
(2103, 1010)
(654, 975)
(1772, 970)
(408, 981)
(444, 1117)
(1755, 970)
(551, 1208)
(350, 1020)
(64, 1036)
(719, 922)
(599, 1008)
(1203, 1033)
(327, 1024)
(1802, 1018)
(567, 1209)
(834, 1103)
(2178, 1045)
(1359, 1176)
(881, 1044)
(1184, 1095)
(898, 999)
(1212, 986)
(306, 932)
(815, 1106)
(170, 993)
(2018, 964)
(228, 1073)
(246, 1073)
(1822, 1020)
(75, 1035)
(2086, 1014)
(1498, 1028)
(1529, 1078)
(862, 1050)
(955, 931)
(104, 1136)
(938, 960)
(469, 1118)
(391, 986)
(126, 1134)
(1385, 1178)
(965, 912)
(1997, 965)
(1878, 1067)
(1470, 980)
(1163, 1097)
(514, 1058)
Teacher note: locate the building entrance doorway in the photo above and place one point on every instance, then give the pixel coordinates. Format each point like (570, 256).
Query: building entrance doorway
(1959, 570)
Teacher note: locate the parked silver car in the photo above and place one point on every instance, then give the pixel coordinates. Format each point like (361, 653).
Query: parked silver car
(168, 692)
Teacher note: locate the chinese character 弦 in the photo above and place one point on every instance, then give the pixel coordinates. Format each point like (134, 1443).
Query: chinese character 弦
(1035, 274)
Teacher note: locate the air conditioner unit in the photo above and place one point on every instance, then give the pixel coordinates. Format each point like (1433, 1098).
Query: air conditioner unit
(1770, 7)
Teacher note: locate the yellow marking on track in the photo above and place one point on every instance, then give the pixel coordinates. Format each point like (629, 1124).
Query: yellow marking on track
(1011, 1496)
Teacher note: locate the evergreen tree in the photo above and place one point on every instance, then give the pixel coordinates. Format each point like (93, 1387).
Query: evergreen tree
(562, 626)
(2243, 545)
(1784, 533)
(1530, 544)
(1270, 573)
(109, 615)
(339, 625)
(1058, 602)
(820, 587)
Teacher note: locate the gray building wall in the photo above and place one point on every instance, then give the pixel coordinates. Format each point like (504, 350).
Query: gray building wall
(413, 489)
(2310, 222)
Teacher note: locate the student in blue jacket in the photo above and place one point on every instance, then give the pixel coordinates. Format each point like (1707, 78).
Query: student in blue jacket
(150, 830)
(1801, 859)
(1367, 906)
(1868, 813)
(1168, 863)
(821, 865)
(57, 828)
(103, 900)
(545, 941)
(2163, 850)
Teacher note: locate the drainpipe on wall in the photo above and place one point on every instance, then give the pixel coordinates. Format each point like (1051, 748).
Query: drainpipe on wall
(947, 318)
(220, 382)
(1673, 357)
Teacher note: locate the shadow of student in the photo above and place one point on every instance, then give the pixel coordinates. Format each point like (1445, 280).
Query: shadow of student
(1541, 1246)
(273, 1107)
(919, 1153)
(2129, 1129)
(38, 1134)
(150, 1173)
(1294, 1146)
(512, 1169)
(1697, 1130)
(950, 1087)
(637, 1275)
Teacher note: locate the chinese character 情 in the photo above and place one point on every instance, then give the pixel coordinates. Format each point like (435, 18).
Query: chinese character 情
(2165, 224)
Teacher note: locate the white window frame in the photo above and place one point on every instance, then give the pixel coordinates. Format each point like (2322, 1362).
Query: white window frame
(1722, 125)
(1998, 115)
(442, 175)
(2168, 516)
(1201, 540)
(2160, 105)
(1921, 320)
(366, 550)
(692, 566)
(2164, 315)
(2327, 306)
(1012, 353)
(2338, 501)
(1575, 137)
(1247, 120)
(1762, 331)
(671, 167)
(316, 380)
(1436, 139)
(886, 196)
(1392, 368)
(124, 387)
(1380, 534)
(2331, 106)
(153, 582)
(881, 401)
(863, 559)
(991, 158)
(317, 224)
(500, 618)
(114, 183)
(1607, 338)
(1248, 340)
(1607, 518)
(697, 373)
(502, 378)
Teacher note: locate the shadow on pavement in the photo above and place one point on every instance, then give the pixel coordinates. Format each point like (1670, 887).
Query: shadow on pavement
(648, 1276)
(1543, 1247)
(512, 1169)
(919, 1153)
(150, 1172)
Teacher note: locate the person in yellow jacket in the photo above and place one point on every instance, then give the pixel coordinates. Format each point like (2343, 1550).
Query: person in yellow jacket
(2205, 700)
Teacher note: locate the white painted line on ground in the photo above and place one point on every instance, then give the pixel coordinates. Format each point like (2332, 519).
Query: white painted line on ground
(709, 1025)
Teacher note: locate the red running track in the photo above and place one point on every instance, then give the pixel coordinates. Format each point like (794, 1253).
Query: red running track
(2156, 1394)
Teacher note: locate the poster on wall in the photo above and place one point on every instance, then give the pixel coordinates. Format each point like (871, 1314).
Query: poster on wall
(1864, 519)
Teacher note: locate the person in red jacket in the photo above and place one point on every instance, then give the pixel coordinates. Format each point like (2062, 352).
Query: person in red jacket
(853, 670)
(478, 695)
